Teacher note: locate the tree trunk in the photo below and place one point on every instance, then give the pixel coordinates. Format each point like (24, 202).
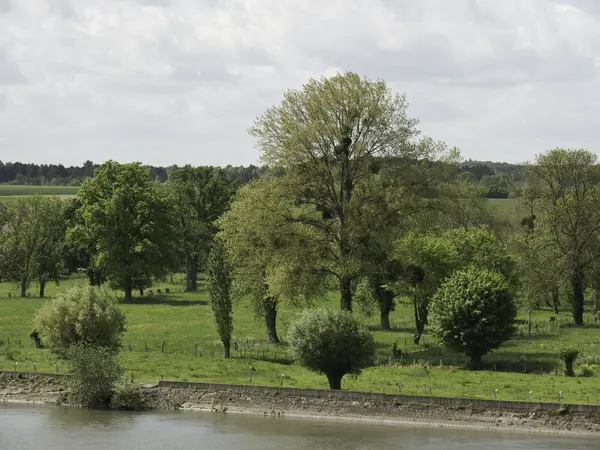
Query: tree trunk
(420, 311)
(475, 362)
(128, 291)
(227, 346)
(42, 287)
(346, 294)
(555, 299)
(270, 307)
(578, 298)
(23, 288)
(597, 309)
(191, 275)
(385, 299)
(569, 368)
(335, 381)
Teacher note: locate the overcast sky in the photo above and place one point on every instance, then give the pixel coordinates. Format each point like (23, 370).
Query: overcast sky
(180, 81)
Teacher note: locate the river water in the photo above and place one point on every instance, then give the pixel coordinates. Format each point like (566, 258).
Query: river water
(45, 427)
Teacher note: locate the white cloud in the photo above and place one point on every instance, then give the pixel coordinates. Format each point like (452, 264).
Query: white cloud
(178, 81)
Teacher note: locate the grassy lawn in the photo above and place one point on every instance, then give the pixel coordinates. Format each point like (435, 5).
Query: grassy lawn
(183, 321)
(7, 190)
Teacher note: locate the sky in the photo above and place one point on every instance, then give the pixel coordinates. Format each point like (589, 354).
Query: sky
(181, 81)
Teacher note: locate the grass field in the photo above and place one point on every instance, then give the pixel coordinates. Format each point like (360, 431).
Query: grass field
(7, 190)
(183, 321)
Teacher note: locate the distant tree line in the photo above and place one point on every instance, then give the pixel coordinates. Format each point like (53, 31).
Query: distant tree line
(17, 173)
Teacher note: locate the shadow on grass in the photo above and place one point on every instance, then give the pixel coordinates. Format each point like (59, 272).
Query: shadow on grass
(391, 330)
(170, 301)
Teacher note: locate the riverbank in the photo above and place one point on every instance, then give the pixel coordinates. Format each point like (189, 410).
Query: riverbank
(41, 390)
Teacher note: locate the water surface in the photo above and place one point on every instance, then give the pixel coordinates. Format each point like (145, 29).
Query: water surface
(45, 427)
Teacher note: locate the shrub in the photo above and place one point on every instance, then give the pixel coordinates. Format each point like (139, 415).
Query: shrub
(82, 315)
(332, 343)
(95, 372)
(473, 313)
(568, 355)
(587, 370)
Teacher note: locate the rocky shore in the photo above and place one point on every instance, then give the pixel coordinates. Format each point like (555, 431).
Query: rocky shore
(47, 390)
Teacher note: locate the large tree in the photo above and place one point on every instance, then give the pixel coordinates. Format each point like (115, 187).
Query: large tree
(274, 260)
(128, 222)
(331, 136)
(198, 196)
(568, 186)
(32, 239)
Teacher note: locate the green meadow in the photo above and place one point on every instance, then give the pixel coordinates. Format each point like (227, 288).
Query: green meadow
(180, 324)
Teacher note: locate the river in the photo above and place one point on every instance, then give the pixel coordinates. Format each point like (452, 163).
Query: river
(27, 427)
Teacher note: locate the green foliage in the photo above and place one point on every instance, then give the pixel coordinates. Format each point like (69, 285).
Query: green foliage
(332, 343)
(94, 373)
(198, 196)
(31, 240)
(473, 313)
(329, 136)
(568, 353)
(567, 184)
(219, 290)
(82, 315)
(128, 222)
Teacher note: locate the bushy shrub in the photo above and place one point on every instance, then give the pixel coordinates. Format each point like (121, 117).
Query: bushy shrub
(82, 315)
(473, 312)
(587, 370)
(331, 342)
(94, 373)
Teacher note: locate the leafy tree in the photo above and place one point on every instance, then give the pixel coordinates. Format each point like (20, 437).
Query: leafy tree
(428, 260)
(568, 355)
(473, 313)
(198, 196)
(333, 343)
(219, 289)
(273, 259)
(128, 222)
(567, 183)
(82, 315)
(330, 136)
(32, 240)
(95, 372)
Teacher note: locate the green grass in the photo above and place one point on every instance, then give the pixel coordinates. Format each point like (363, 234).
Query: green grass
(7, 190)
(183, 320)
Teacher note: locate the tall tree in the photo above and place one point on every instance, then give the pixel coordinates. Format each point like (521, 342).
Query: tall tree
(568, 185)
(198, 196)
(331, 136)
(31, 241)
(274, 259)
(219, 289)
(129, 224)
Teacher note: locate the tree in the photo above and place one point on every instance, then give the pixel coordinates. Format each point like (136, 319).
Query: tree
(330, 136)
(198, 196)
(473, 312)
(128, 222)
(219, 290)
(567, 183)
(568, 355)
(274, 259)
(94, 374)
(428, 259)
(32, 240)
(332, 343)
(82, 315)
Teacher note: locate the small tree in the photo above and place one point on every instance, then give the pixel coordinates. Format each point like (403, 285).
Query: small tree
(568, 355)
(473, 313)
(333, 343)
(219, 289)
(82, 315)
(95, 372)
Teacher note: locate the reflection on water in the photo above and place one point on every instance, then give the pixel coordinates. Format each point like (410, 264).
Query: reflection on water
(43, 427)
